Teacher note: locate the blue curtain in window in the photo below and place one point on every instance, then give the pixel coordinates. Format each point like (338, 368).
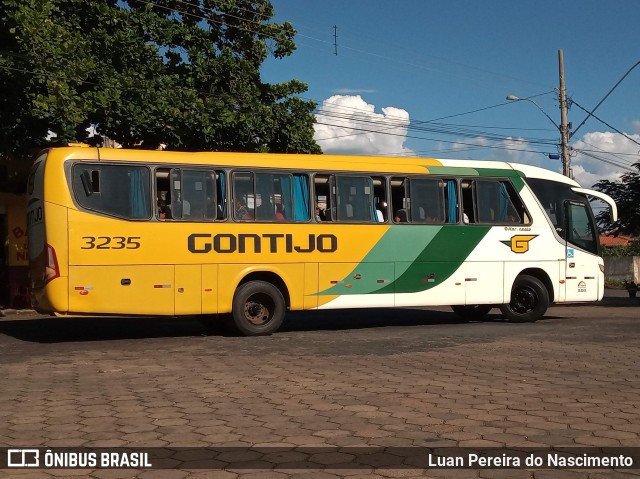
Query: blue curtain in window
(139, 187)
(504, 202)
(301, 198)
(452, 202)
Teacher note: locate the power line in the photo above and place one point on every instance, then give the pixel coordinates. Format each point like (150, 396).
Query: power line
(605, 160)
(590, 113)
(394, 122)
(600, 150)
(437, 140)
(605, 123)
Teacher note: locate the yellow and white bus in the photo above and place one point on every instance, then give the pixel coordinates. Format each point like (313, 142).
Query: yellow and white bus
(249, 236)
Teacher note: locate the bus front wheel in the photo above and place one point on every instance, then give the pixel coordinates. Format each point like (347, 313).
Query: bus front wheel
(258, 308)
(529, 300)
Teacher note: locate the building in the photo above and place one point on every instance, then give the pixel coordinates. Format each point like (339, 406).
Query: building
(616, 240)
(14, 259)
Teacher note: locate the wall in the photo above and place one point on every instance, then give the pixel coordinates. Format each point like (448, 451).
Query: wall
(622, 267)
(14, 281)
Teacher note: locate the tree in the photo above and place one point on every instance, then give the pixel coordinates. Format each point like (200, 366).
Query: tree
(182, 73)
(626, 193)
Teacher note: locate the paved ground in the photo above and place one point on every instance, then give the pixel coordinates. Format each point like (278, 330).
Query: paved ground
(392, 378)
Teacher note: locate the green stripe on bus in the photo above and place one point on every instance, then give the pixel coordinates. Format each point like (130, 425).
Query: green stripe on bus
(420, 254)
(439, 259)
(402, 242)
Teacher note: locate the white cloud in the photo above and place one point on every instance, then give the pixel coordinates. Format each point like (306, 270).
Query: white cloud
(515, 150)
(613, 150)
(349, 125)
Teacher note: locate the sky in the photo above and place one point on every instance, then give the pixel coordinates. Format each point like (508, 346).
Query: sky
(430, 78)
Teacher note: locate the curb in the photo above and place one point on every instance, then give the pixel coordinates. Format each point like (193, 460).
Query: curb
(5, 312)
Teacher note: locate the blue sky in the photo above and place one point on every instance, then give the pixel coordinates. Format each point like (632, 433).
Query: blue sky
(420, 67)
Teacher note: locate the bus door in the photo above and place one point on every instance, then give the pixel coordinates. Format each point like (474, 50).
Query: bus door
(581, 258)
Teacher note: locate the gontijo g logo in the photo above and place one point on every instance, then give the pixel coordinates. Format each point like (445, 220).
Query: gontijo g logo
(519, 243)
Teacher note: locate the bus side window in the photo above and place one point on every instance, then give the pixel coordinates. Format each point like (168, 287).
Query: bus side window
(244, 197)
(198, 195)
(186, 194)
(492, 201)
(380, 199)
(116, 190)
(301, 198)
(450, 187)
(515, 210)
(221, 195)
(468, 202)
(427, 200)
(498, 202)
(354, 198)
(400, 199)
(322, 198)
(275, 193)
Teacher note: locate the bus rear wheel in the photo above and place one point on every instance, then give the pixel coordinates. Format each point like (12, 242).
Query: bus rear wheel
(529, 300)
(258, 308)
(471, 311)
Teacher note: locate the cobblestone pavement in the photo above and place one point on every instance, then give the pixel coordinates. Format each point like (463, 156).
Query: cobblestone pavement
(392, 378)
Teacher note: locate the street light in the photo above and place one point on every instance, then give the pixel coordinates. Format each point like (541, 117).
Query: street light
(563, 137)
(517, 98)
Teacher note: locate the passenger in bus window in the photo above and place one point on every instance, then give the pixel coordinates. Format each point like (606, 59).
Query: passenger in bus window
(381, 207)
(241, 210)
(320, 214)
(280, 212)
(164, 206)
(401, 216)
(161, 207)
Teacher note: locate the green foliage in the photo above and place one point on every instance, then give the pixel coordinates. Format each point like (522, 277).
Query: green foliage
(182, 74)
(632, 250)
(626, 193)
(613, 283)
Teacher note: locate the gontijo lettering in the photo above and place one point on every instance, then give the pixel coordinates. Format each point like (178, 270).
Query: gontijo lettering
(258, 243)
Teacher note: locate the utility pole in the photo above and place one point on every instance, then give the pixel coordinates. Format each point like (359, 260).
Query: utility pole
(564, 128)
(335, 40)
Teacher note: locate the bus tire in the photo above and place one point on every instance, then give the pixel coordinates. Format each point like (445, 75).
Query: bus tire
(258, 308)
(471, 311)
(529, 300)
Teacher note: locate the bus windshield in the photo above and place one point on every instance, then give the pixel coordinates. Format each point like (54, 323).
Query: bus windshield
(569, 212)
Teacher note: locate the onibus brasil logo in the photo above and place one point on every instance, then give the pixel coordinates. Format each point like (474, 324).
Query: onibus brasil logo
(519, 243)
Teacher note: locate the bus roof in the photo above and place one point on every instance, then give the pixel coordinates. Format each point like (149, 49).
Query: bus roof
(307, 161)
